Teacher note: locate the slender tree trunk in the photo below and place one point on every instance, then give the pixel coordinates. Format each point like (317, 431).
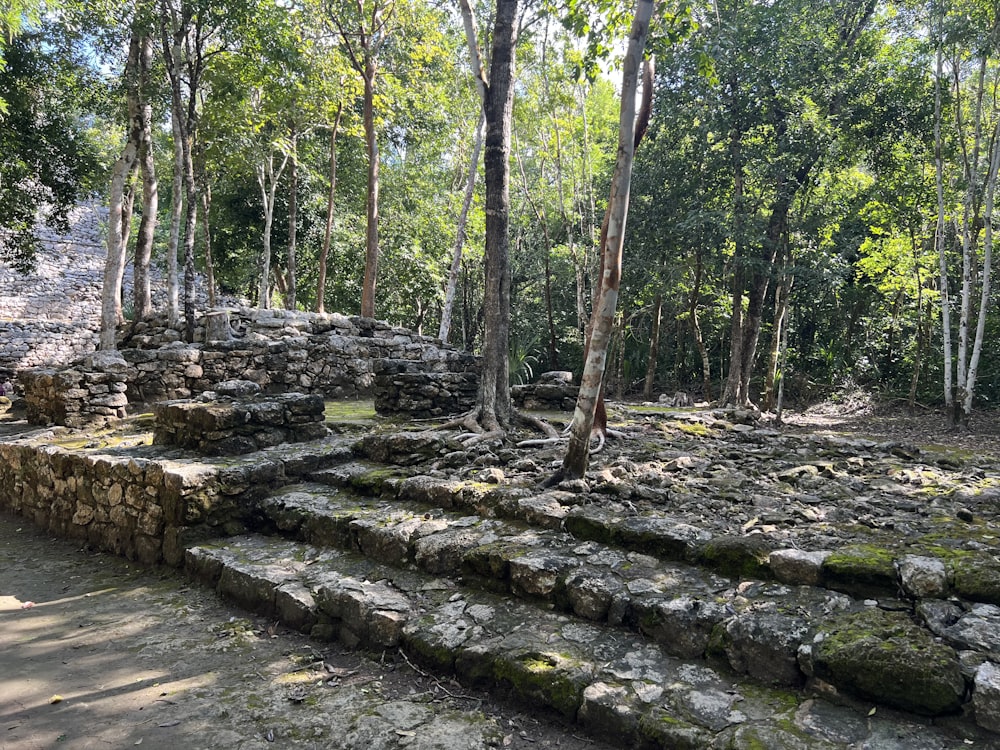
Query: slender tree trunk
(463, 217)
(984, 299)
(781, 294)
(779, 408)
(114, 266)
(206, 230)
(141, 287)
(699, 341)
(654, 346)
(371, 233)
(939, 235)
(176, 221)
(578, 451)
(498, 104)
(293, 219)
(267, 179)
(328, 232)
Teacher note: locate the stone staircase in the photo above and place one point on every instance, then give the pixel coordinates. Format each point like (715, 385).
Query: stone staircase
(646, 630)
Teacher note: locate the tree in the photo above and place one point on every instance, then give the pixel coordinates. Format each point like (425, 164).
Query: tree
(50, 153)
(496, 87)
(612, 242)
(364, 30)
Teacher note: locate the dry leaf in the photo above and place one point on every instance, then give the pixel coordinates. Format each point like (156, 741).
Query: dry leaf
(406, 733)
(56, 699)
(171, 723)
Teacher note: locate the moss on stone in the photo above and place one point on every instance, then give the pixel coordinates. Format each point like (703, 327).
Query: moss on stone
(885, 657)
(554, 679)
(742, 557)
(976, 577)
(861, 569)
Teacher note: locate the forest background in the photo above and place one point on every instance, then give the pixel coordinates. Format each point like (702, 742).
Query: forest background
(814, 194)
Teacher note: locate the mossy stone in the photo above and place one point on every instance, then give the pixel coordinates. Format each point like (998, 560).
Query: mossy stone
(861, 570)
(976, 577)
(885, 657)
(742, 557)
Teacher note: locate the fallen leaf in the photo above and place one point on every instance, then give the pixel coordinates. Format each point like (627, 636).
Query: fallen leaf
(406, 733)
(269, 735)
(872, 712)
(171, 723)
(138, 741)
(27, 605)
(56, 699)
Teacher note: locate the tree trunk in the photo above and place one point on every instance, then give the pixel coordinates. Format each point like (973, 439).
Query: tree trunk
(984, 299)
(293, 218)
(371, 234)
(939, 232)
(699, 341)
(781, 294)
(578, 451)
(176, 220)
(114, 266)
(141, 288)
(654, 347)
(327, 234)
(463, 217)
(206, 231)
(498, 104)
(267, 179)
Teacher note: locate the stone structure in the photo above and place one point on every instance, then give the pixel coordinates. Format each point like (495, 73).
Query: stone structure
(554, 391)
(240, 423)
(331, 355)
(90, 393)
(415, 389)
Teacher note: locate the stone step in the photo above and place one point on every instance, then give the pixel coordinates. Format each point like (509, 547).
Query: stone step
(772, 633)
(931, 565)
(613, 683)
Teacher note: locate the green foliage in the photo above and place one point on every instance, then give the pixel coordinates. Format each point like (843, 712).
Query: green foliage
(51, 136)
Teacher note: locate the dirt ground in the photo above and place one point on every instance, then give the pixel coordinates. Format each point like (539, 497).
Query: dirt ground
(97, 653)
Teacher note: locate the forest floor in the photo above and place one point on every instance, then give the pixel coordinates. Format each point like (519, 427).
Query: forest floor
(97, 652)
(924, 426)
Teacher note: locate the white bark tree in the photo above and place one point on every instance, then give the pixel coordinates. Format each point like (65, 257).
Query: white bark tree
(602, 321)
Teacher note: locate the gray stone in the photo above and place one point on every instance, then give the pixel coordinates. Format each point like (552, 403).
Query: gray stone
(797, 567)
(885, 657)
(977, 629)
(986, 696)
(922, 577)
(765, 646)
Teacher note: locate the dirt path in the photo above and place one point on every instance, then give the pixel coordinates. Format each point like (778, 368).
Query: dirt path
(96, 653)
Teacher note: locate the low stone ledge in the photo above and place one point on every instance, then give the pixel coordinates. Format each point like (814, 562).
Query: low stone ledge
(90, 393)
(236, 425)
(554, 391)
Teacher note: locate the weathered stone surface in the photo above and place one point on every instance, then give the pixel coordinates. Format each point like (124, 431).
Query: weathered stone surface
(922, 577)
(797, 567)
(237, 426)
(764, 645)
(978, 629)
(986, 696)
(884, 656)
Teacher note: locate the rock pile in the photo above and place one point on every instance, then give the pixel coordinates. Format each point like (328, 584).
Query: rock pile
(92, 393)
(237, 419)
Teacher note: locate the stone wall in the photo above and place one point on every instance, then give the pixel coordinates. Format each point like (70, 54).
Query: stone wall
(40, 343)
(414, 389)
(90, 394)
(331, 355)
(128, 506)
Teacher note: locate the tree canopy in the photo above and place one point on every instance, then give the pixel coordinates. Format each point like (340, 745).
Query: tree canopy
(818, 177)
